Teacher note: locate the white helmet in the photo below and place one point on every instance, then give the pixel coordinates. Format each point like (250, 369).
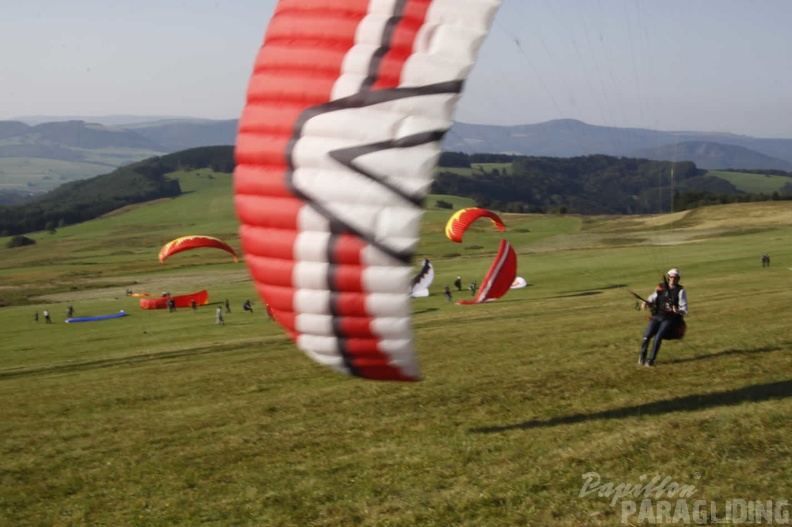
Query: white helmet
(674, 272)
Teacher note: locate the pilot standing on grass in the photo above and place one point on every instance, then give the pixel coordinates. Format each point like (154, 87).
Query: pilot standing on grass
(669, 306)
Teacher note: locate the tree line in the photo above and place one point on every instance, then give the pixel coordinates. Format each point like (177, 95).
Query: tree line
(87, 199)
(594, 184)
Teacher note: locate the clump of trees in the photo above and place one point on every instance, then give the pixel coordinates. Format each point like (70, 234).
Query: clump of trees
(596, 184)
(87, 199)
(19, 241)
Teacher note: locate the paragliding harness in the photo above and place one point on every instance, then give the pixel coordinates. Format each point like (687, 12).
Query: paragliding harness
(664, 304)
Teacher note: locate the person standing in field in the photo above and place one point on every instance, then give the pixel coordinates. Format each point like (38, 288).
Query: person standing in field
(458, 283)
(669, 305)
(47, 317)
(447, 293)
(35, 317)
(227, 306)
(219, 316)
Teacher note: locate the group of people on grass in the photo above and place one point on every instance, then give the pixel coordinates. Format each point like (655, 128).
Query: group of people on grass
(48, 318)
(247, 306)
(667, 303)
(473, 287)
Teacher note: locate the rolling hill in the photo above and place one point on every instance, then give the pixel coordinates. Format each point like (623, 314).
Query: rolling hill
(38, 158)
(584, 185)
(86, 199)
(162, 419)
(569, 138)
(714, 156)
(84, 148)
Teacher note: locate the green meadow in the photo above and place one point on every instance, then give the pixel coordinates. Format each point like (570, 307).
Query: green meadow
(752, 183)
(162, 419)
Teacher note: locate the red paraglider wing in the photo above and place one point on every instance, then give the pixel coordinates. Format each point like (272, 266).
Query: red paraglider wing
(500, 276)
(337, 144)
(201, 298)
(462, 219)
(194, 241)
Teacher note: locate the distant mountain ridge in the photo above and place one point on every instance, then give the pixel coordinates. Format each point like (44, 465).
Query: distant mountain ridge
(713, 156)
(68, 140)
(175, 135)
(84, 141)
(106, 120)
(35, 158)
(571, 138)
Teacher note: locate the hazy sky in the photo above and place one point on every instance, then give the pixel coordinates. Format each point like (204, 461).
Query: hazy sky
(706, 65)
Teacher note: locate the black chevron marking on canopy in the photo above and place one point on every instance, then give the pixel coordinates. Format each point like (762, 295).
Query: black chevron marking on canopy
(385, 45)
(364, 98)
(348, 155)
(427, 266)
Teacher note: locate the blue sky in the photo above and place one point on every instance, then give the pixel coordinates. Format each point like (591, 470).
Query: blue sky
(707, 65)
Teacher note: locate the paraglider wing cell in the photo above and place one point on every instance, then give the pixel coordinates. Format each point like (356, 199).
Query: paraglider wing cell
(193, 242)
(464, 218)
(336, 150)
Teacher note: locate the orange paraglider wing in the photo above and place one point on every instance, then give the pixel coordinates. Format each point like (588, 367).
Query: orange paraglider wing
(201, 298)
(462, 219)
(194, 241)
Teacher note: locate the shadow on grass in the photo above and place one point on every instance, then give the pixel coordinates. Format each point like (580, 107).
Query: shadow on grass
(725, 354)
(689, 403)
(574, 295)
(597, 289)
(587, 292)
(111, 362)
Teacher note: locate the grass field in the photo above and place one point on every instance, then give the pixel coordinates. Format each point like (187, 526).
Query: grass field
(752, 183)
(161, 419)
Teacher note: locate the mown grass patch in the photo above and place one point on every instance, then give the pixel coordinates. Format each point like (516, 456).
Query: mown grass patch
(164, 418)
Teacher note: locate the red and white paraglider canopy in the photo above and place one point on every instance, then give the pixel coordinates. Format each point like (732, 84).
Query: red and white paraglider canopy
(345, 111)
